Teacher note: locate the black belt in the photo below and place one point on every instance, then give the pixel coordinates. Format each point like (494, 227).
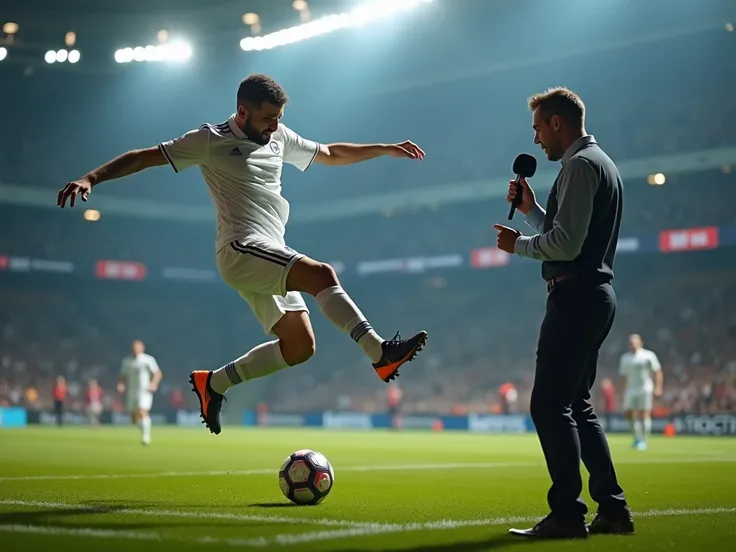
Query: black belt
(582, 279)
(552, 282)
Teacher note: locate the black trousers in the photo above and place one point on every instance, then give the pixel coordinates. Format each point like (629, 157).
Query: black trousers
(578, 319)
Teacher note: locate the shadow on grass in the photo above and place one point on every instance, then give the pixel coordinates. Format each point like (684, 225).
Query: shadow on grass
(493, 542)
(84, 517)
(69, 518)
(275, 505)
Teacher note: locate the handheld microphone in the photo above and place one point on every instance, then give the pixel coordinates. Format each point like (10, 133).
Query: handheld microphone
(524, 166)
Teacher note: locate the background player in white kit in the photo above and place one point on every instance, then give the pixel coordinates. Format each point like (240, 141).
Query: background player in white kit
(241, 161)
(139, 379)
(643, 373)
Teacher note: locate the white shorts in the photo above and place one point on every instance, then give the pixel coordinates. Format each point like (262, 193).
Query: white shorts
(257, 269)
(638, 400)
(139, 401)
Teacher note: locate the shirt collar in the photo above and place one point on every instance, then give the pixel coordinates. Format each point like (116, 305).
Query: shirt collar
(576, 146)
(235, 129)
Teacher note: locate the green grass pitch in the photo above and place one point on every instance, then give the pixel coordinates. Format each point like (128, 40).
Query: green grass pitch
(85, 489)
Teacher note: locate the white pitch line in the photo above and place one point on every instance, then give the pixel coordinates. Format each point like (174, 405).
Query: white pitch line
(79, 532)
(271, 471)
(370, 468)
(191, 514)
(261, 471)
(356, 531)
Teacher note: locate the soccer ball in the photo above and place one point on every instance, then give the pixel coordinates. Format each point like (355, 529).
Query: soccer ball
(306, 477)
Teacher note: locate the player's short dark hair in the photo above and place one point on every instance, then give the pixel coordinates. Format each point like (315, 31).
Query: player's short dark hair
(559, 101)
(258, 88)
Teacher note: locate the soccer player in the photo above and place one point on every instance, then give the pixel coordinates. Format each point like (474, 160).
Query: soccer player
(139, 379)
(394, 398)
(241, 160)
(61, 389)
(93, 400)
(638, 366)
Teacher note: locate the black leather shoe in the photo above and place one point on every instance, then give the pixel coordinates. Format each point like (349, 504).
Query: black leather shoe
(550, 528)
(608, 525)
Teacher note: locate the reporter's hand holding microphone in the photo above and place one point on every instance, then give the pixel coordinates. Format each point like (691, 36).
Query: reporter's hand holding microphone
(527, 201)
(521, 196)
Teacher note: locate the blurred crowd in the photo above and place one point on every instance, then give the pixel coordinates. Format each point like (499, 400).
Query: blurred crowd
(482, 327)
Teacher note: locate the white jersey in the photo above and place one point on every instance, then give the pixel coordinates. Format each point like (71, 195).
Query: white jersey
(244, 178)
(138, 373)
(639, 367)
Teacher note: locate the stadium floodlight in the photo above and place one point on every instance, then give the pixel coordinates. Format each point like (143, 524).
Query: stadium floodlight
(657, 179)
(366, 13)
(174, 51)
(91, 215)
(3, 53)
(61, 56)
(251, 18)
(10, 28)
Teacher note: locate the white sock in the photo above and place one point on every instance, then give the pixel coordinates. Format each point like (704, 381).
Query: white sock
(339, 309)
(146, 429)
(647, 427)
(639, 430)
(260, 361)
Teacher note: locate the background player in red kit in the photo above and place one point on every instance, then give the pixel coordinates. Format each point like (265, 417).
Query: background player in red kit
(394, 395)
(609, 399)
(60, 392)
(93, 402)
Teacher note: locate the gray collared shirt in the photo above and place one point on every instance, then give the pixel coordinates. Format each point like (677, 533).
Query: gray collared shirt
(577, 185)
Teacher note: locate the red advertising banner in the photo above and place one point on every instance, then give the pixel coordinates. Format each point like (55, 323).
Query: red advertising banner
(690, 239)
(488, 257)
(120, 270)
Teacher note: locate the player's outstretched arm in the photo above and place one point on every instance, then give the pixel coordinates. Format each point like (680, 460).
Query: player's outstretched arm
(348, 154)
(128, 163)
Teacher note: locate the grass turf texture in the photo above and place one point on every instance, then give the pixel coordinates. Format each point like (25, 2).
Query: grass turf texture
(393, 491)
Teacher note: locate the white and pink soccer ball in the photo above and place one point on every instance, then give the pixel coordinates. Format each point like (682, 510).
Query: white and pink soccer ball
(306, 477)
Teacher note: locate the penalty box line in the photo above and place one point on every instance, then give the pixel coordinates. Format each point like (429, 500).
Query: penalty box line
(448, 524)
(366, 530)
(370, 468)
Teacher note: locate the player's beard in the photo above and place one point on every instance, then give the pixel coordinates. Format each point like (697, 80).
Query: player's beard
(254, 135)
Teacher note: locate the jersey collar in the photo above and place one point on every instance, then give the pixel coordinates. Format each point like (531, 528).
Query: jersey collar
(235, 129)
(576, 146)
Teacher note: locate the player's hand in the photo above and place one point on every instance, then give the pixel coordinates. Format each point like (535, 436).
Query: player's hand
(407, 150)
(153, 388)
(81, 188)
(121, 388)
(506, 239)
(658, 392)
(528, 199)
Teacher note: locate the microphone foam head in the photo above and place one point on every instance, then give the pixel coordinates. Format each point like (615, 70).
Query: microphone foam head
(525, 165)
